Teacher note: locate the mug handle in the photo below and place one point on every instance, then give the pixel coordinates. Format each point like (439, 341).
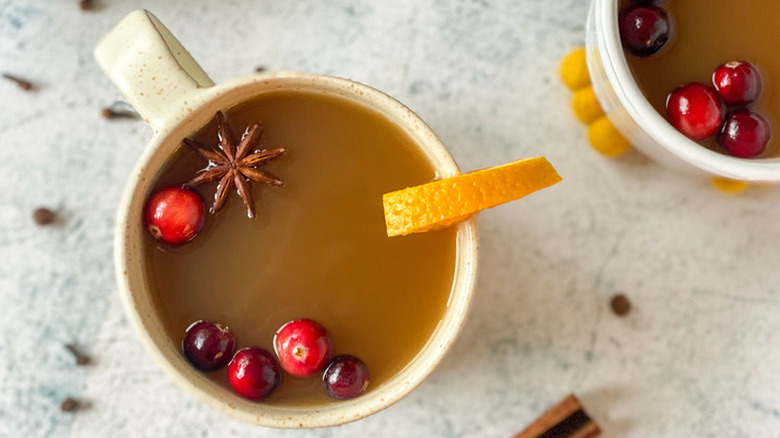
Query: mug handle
(151, 68)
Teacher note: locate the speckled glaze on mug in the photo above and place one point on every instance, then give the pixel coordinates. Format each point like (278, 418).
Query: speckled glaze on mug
(639, 122)
(175, 97)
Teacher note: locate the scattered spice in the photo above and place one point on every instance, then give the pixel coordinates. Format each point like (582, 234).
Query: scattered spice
(620, 305)
(567, 419)
(78, 355)
(233, 164)
(43, 216)
(86, 5)
(111, 113)
(23, 84)
(260, 69)
(69, 405)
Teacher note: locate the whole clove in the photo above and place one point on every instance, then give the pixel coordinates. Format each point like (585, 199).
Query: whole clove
(620, 304)
(69, 405)
(81, 358)
(86, 5)
(23, 84)
(43, 216)
(110, 113)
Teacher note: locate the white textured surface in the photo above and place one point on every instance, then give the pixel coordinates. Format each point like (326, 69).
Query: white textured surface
(698, 356)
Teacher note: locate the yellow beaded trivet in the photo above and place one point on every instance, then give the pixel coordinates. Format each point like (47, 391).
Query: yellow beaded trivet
(602, 134)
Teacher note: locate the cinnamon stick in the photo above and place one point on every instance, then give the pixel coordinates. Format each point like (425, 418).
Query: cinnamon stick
(567, 419)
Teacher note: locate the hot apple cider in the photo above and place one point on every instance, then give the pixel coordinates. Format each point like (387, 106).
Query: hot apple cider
(315, 257)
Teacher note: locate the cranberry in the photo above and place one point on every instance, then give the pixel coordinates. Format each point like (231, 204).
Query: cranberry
(737, 82)
(254, 373)
(303, 347)
(644, 29)
(208, 345)
(695, 110)
(346, 377)
(174, 215)
(745, 134)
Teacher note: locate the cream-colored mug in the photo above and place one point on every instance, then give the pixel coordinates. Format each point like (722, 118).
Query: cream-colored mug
(176, 98)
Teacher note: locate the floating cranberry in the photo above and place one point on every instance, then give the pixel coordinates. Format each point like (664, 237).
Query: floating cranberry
(644, 29)
(208, 345)
(174, 215)
(345, 377)
(745, 134)
(303, 347)
(695, 110)
(737, 82)
(254, 373)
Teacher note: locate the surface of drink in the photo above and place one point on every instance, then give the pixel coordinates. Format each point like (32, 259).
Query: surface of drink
(318, 247)
(705, 35)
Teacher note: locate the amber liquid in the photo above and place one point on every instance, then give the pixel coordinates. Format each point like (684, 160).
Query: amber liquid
(318, 247)
(707, 34)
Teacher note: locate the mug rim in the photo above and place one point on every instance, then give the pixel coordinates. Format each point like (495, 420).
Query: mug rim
(654, 124)
(145, 317)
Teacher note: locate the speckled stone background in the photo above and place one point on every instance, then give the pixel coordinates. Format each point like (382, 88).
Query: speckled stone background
(697, 357)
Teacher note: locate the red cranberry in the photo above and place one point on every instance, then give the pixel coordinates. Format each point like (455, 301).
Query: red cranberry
(208, 345)
(644, 29)
(745, 134)
(695, 110)
(174, 215)
(303, 347)
(737, 82)
(254, 373)
(345, 377)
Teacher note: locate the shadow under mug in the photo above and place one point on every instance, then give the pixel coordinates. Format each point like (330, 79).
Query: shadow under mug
(176, 98)
(639, 122)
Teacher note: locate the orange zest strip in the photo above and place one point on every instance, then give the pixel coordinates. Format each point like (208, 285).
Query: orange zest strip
(438, 204)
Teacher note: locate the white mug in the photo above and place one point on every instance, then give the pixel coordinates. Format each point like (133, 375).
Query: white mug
(639, 122)
(176, 98)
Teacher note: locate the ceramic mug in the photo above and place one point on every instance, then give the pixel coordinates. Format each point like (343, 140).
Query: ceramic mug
(176, 98)
(639, 122)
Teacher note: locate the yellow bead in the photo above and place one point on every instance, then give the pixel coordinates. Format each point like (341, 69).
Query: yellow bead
(729, 185)
(574, 70)
(586, 106)
(606, 139)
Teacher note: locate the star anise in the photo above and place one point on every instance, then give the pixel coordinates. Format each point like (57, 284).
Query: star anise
(233, 164)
